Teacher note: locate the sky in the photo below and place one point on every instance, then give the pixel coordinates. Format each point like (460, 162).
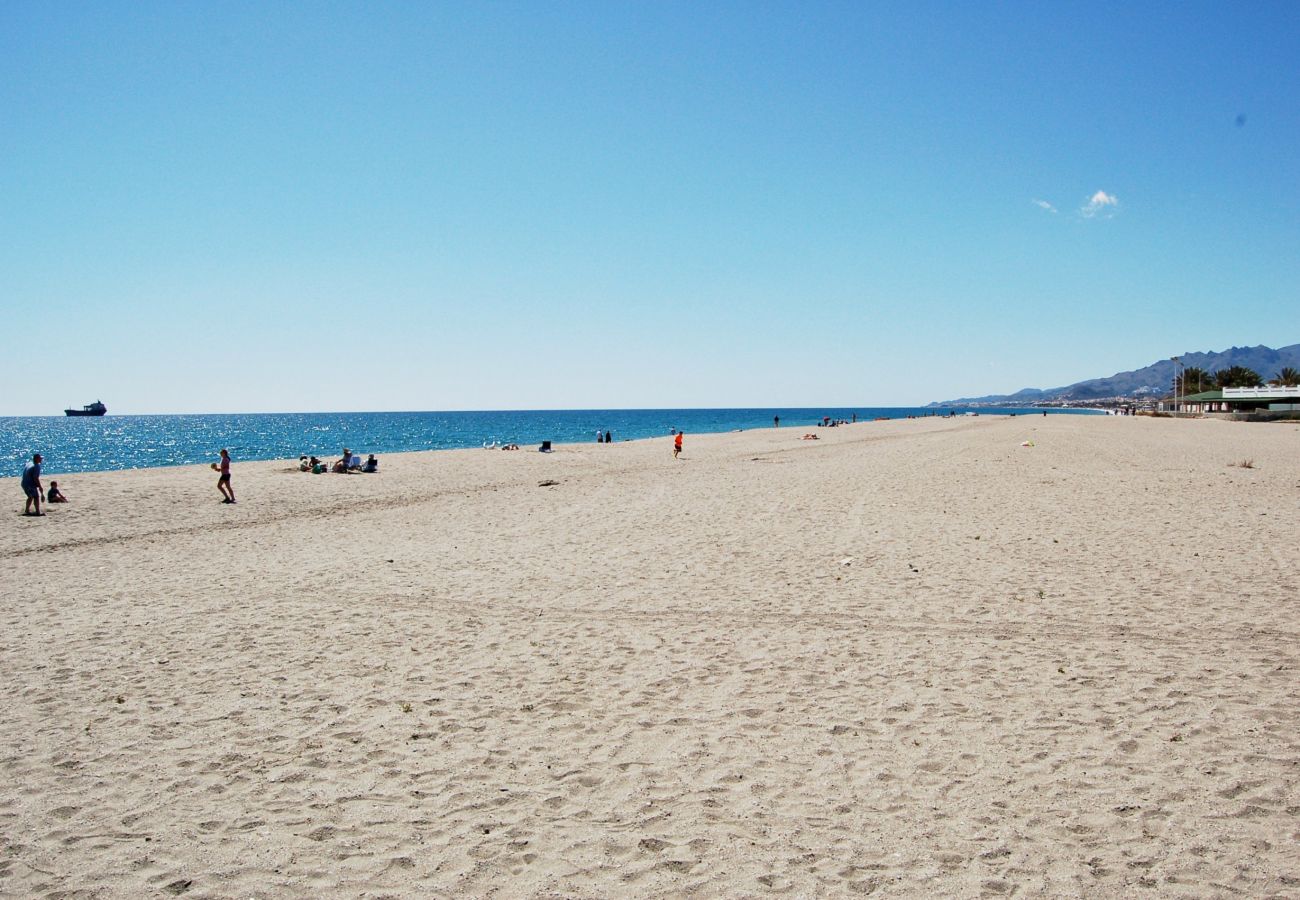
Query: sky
(253, 207)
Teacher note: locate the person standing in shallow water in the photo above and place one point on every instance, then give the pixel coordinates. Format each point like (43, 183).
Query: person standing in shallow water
(776, 421)
(223, 480)
(677, 445)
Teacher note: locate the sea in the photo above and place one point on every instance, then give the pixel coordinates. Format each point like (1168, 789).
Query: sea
(106, 443)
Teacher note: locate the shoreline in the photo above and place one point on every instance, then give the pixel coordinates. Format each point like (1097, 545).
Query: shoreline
(168, 441)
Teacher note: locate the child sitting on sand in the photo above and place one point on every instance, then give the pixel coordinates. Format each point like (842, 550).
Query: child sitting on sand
(54, 495)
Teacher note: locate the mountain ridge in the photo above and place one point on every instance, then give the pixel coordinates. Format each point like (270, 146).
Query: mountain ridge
(1154, 380)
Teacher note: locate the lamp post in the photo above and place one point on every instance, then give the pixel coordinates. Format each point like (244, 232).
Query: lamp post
(1178, 362)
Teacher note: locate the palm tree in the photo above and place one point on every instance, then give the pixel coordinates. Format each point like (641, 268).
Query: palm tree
(1196, 380)
(1287, 377)
(1237, 376)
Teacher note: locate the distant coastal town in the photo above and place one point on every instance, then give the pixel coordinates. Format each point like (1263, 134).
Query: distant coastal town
(1242, 382)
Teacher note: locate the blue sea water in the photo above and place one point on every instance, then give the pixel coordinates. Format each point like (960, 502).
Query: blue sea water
(133, 442)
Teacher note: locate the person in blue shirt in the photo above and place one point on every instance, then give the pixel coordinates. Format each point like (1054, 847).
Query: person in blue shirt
(32, 486)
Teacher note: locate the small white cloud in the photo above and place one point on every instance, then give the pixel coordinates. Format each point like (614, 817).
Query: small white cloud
(1043, 204)
(1098, 203)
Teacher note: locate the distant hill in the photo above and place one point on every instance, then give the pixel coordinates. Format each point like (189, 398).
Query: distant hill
(1156, 379)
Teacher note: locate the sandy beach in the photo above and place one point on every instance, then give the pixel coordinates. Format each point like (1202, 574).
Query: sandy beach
(909, 658)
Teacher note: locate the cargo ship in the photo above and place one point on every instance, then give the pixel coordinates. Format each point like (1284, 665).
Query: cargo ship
(90, 409)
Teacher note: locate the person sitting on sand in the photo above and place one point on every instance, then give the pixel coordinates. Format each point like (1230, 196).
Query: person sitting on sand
(510, 447)
(54, 495)
(371, 464)
(811, 437)
(303, 464)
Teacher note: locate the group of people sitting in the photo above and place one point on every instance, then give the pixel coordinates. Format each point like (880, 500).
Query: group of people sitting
(350, 462)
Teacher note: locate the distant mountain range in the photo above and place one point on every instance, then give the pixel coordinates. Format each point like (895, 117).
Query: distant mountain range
(1156, 379)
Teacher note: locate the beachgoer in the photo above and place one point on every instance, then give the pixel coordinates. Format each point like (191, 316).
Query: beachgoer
(303, 465)
(223, 481)
(609, 437)
(54, 495)
(32, 486)
(372, 464)
(677, 445)
(776, 421)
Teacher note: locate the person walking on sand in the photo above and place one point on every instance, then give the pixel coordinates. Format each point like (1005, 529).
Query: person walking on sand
(223, 481)
(32, 486)
(677, 445)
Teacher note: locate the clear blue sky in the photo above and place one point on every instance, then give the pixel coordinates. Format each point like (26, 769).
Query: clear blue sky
(264, 207)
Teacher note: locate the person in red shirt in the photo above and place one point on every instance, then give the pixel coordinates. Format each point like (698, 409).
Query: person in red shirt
(677, 445)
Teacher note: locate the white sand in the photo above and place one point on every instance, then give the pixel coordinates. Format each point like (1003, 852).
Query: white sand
(1068, 669)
